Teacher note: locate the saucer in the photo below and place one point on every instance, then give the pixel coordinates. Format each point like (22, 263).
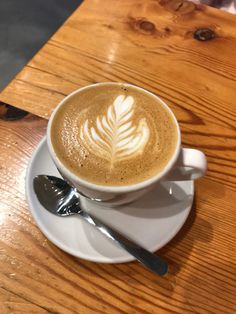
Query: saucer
(152, 221)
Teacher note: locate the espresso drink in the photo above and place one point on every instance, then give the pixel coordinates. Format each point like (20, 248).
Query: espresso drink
(114, 135)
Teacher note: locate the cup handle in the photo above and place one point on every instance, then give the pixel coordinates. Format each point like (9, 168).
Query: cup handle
(191, 164)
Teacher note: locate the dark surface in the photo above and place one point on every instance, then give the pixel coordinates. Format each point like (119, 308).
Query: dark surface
(11, 113)
(25, 25)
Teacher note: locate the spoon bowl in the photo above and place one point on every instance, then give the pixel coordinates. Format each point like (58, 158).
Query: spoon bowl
(56, 195)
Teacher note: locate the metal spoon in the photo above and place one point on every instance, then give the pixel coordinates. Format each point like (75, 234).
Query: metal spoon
(58, 197)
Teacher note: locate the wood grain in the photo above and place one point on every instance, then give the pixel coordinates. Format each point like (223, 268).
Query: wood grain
(150, 44)
(37, 277)
(12, 303)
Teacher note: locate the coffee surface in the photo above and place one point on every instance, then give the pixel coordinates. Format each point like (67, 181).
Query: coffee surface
(114, 135)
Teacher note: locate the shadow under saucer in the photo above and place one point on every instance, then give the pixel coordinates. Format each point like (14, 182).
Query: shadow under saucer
(151, 221)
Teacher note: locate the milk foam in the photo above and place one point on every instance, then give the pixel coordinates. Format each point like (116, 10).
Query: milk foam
(115, 136)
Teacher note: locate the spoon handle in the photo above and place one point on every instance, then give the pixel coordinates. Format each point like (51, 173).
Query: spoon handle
(148, 259)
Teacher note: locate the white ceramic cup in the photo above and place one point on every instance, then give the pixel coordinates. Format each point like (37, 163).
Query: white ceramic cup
(185, 164)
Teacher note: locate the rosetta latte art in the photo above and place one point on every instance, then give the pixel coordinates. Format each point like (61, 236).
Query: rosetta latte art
(114, 136)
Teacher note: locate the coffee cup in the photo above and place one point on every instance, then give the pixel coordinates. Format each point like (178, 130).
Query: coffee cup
(114, 142)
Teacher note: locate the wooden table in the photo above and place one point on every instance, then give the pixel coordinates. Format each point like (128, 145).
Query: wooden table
(156, 45)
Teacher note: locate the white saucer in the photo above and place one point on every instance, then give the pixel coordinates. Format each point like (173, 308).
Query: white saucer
(152, 221)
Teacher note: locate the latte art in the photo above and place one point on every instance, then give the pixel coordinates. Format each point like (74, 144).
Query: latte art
(115, 136)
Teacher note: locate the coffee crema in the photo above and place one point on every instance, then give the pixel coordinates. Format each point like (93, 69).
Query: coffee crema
(114, 134)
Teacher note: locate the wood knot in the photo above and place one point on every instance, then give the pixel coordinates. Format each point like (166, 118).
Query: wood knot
(142, 25)
(167, 29)
(204, 34)
(147, 26)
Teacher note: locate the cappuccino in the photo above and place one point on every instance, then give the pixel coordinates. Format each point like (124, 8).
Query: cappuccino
(114, 134)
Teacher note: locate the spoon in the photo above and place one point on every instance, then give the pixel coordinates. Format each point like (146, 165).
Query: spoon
(59, 198)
